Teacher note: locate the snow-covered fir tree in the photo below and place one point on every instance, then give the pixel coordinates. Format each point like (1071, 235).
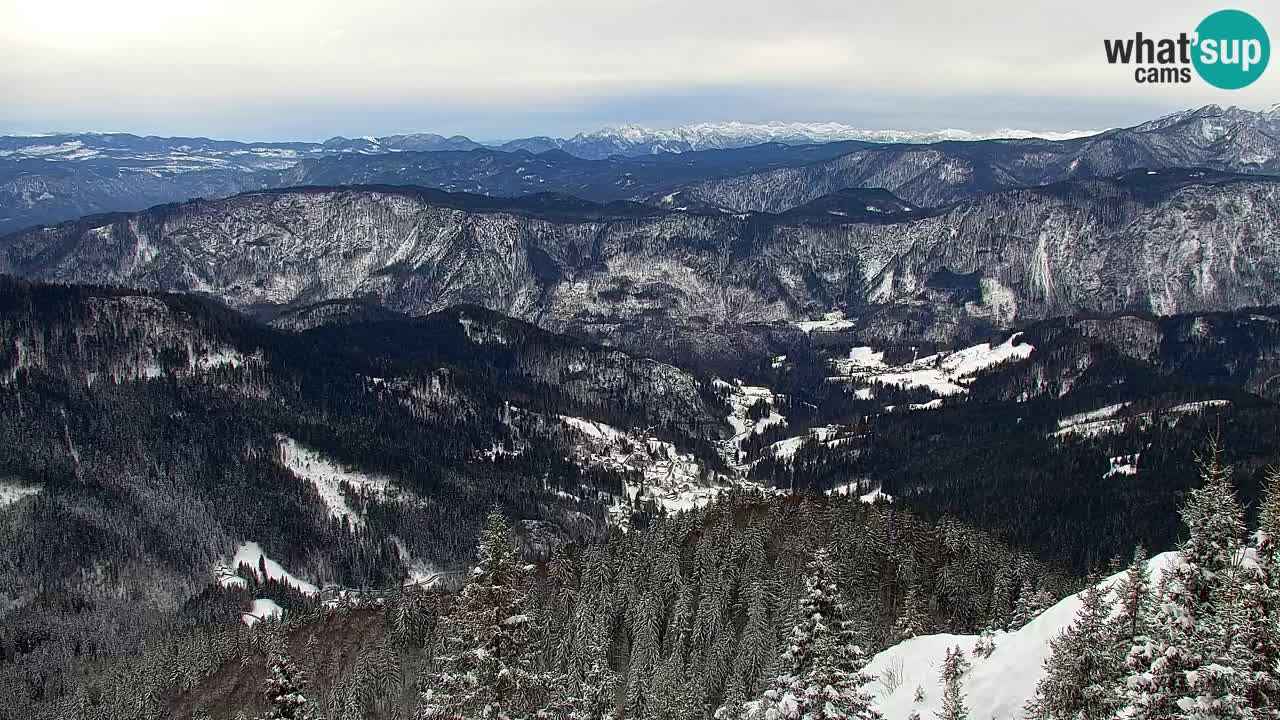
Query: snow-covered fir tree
(484, 668)
(1183, 669)
(821, 671)
(283, 690)
(1031, 602)
(954, 666)
(1080, 674)
(914, 618)
(1262, 606)
(985, 645)
(1135, 600)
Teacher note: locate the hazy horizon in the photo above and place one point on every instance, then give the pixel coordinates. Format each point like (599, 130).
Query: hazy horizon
(490, 70)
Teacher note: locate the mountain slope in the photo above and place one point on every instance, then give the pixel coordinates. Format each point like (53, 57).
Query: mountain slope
(1162, 242)
(998, 686)
(351, 453)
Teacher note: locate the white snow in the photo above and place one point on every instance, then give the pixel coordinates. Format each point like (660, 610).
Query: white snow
(831, 321)
(931, 405)
(850, 488)
(996, 687)
(421, 572)
(223, 357)
(262, 610)
(328, 478)
(943, 374)
(11, 493)
(248, 553)
(700, 136)
(592, 429)
(809, 326)
(1123, 465)
(482, 333)
(673, 479)
(829, 436)
(741, 398)
(1084, 426)
(1085, 417)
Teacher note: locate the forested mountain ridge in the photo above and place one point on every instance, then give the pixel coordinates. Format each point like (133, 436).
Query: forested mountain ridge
(120, 408)
(1162, 242)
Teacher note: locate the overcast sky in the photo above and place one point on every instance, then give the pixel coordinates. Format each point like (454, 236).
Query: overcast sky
(496, 69)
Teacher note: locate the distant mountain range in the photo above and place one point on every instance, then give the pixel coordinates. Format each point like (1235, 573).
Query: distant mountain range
(626, 140)
(735, 166)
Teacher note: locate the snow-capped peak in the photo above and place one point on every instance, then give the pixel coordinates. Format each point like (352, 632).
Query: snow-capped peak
(709, 135)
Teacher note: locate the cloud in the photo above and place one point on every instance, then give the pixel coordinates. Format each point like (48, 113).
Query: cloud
(502, 67)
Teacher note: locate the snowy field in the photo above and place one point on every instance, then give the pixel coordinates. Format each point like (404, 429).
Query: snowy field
(11, 493)
(1104, 421)
(944, 374)
(329, 479)
(995, 687)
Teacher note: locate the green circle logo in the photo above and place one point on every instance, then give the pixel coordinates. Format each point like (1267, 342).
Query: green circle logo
(1232, 49)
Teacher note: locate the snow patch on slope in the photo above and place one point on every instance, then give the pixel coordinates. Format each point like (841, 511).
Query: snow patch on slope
(741, 399)
(945, 373)
(995, 687)
(329, 478)
(672, 479)
(1104, 421)
(830, 322)
(828, 436)
(11, 493)
(249, 553)
(262, 609)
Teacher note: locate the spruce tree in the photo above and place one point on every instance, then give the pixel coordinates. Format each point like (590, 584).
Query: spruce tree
(1082, 668)
(1177, 670)
(914, 618)
(484, 668)
(954, 666)
(283, 690)
(1262, 604)
(822, 674)
(1134, 602)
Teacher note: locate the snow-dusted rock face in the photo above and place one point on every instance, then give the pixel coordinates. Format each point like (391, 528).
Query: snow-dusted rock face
(1173, 242)
(995, 687)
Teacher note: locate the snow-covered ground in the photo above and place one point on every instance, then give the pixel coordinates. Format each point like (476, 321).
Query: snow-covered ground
(262, 609)
(483, 333)
(1104, 421)
(328, 478)
(248, 553)
(672, 479)
(11, 493)
(421, 572)
(996, 687)
(827, 436)
(830, 322)
(856, 487)
(1102, 413)
(945, 373)
(741, 399)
